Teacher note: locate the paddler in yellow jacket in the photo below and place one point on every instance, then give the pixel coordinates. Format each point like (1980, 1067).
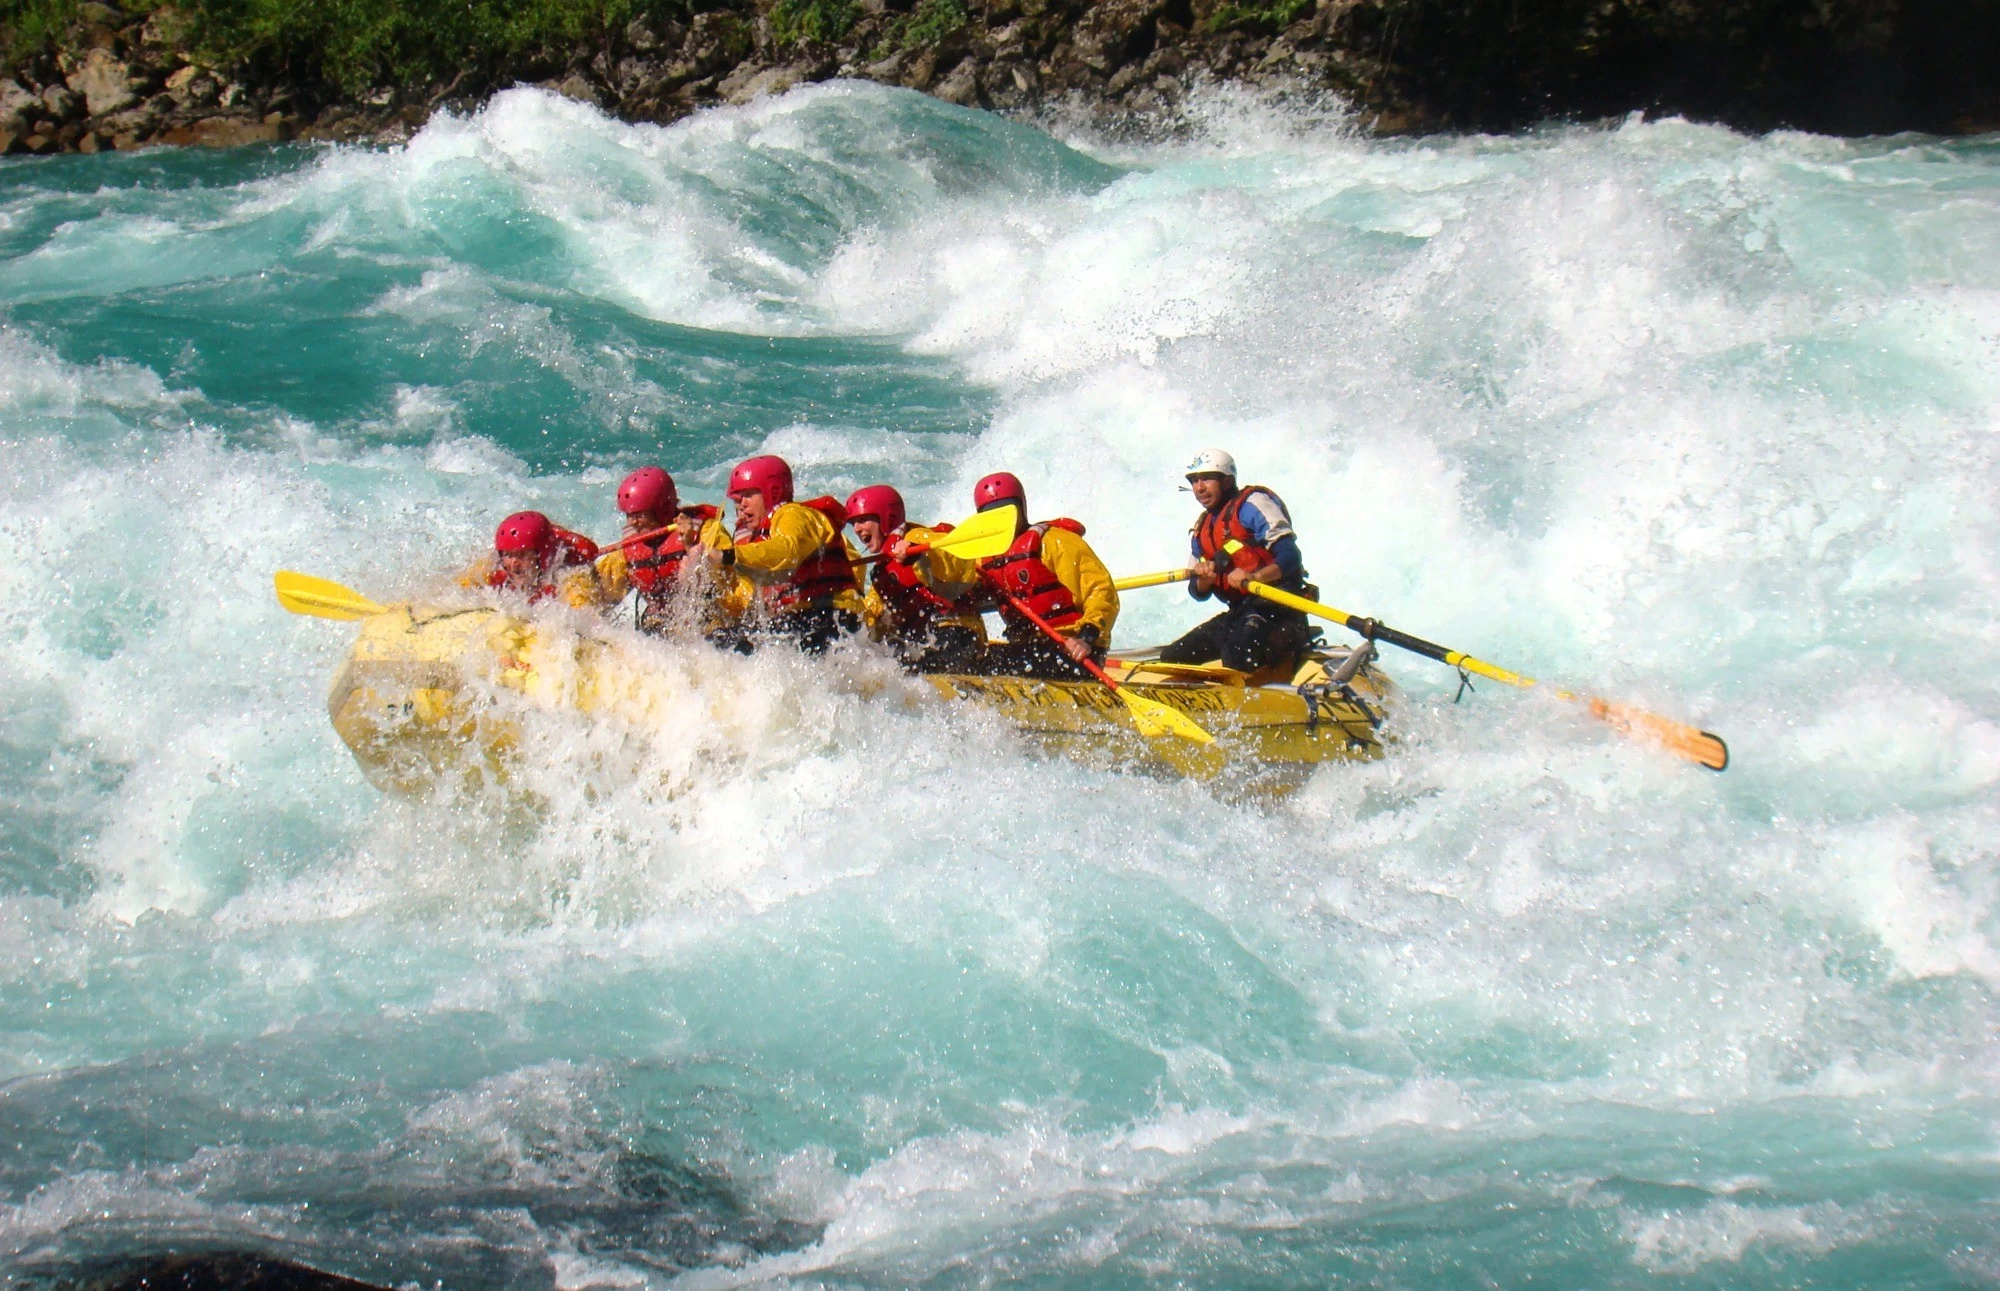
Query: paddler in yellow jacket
(1052, 572)
(926, 630)
(540, 560)
(792, 554)
(651, 559)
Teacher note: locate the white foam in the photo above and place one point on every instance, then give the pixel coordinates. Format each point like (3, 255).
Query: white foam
(1722, 1232)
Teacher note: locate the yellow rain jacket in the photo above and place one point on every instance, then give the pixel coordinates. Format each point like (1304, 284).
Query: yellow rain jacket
(795, 534)
(1075, 566)
(577, 586)
(875, 611)
(614, 575)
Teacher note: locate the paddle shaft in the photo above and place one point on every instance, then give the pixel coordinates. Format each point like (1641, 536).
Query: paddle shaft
(1088, 664)
(1686, 741)
(1353, 622)
(662, 532)
(1382, 632)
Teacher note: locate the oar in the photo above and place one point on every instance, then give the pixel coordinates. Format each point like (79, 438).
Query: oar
(702, 512)
(1153, 718)
(1677, 737)
(304, 594)
(981, 537)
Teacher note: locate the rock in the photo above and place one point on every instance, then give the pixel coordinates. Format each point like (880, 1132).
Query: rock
(337, 125)
(221, 132)
(90, 142)
(574, 86)
(1116, 31)
(693, 92)
(922, 70)
(166, 28)
(104, 82)
(214, 1271)
(961, 86)
(9, 141)
(142, 120)
(39, 142)
(739, 88)
(716, 42)
(59, 103)
(640, 36)
(193, 87)
(887, 72)
(630, 74)
(17, 99)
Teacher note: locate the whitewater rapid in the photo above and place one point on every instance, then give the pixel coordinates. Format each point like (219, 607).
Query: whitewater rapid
(867, 994)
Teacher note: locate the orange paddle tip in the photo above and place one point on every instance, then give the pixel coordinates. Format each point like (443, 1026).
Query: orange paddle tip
(1703, 748)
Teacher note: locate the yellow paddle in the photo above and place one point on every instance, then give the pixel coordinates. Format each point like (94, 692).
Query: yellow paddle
(1153, 718)
(981, 537)
(1677, 737)
(304, 594)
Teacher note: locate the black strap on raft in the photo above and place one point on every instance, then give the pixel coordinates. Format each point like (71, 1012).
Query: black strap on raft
(1338, 681)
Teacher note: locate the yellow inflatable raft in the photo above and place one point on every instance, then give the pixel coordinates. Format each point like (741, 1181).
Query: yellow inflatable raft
(415, 701)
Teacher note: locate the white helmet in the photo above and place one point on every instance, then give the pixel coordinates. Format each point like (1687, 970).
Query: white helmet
(1211, 461)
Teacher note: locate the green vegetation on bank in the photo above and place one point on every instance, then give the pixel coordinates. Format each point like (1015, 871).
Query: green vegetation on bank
(1276, 15)
(930, 21)
(827, 22)
(352, 46)
(812, 22)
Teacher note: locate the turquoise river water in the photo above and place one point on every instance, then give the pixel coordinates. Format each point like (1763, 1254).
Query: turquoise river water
(867, 994)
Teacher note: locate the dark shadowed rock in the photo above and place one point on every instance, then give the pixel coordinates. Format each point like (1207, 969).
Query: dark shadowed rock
(961, 85)
(1841, 66)
(223, 132)
(227, 1271)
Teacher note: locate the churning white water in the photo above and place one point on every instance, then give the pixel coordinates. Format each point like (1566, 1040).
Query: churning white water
(812, 986)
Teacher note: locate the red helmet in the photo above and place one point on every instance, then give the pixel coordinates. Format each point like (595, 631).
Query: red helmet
(998, 488)
(767, 475)
(524, 531)
(880, 501)
(647, 489)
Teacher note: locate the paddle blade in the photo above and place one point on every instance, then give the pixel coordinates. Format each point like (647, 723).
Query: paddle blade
(304, 594)
(981, 537)
(1677, 738)
(1157, 721)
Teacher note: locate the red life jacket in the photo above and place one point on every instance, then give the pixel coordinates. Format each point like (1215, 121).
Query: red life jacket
(912, 605)
(1020, 573)
(1222, 533)
(568, 551)
(821, 576)
(655, 566)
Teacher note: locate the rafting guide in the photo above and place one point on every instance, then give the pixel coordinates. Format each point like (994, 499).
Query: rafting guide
(1243, 536)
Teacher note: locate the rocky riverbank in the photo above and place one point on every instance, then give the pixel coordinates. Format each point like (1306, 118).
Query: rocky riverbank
(112, 79)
